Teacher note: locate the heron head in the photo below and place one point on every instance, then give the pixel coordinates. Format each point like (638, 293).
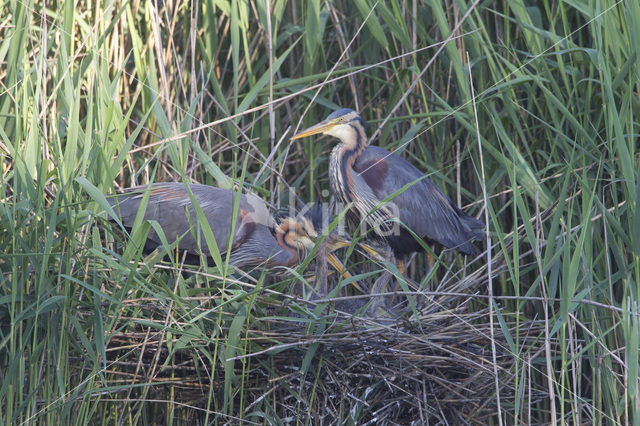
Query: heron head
(340, 123)
(302, 232)
(297, 232)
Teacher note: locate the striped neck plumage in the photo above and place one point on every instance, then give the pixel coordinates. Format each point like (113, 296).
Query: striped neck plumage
(292, 235)
(293, 252)
(353, 141)
(352, 136)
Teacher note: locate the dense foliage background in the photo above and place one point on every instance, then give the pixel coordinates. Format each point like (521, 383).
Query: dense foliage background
(99, 96)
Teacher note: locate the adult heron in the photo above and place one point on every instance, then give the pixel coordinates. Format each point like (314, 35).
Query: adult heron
(365, 175)
(258, 239)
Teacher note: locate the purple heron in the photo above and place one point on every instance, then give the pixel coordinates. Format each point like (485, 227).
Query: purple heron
(366, 175)
(258, 239)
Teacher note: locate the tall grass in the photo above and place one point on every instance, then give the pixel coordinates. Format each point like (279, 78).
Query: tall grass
(95, 99)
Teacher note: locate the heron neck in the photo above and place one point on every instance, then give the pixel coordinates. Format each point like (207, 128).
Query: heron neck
(343, 157)
(356, 145)
(291, 254)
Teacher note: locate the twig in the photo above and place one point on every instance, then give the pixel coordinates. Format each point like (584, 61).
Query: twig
(547, 347)
(488, 251)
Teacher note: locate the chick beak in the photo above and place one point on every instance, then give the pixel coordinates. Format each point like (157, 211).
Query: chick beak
(338, 266)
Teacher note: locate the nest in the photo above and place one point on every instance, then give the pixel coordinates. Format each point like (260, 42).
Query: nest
(438, 365)
(434, 358)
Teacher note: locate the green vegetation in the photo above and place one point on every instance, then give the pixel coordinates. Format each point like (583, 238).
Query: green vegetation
(95, 97)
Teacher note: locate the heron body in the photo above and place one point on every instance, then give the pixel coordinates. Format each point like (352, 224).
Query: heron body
(365, 175)
(257, 239)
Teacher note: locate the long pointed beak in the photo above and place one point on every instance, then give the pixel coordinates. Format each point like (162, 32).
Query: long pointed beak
(338, 244)
(373, 252)
(314, 130)
(338, 266)
(335, 244)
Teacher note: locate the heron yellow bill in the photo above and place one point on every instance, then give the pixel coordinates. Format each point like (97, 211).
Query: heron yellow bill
(339, 267)
(373, 252)
(315, 129)
(335, 245)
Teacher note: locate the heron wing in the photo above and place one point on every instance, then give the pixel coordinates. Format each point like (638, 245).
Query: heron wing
(260, 249)
(423, 207)
(170, 205)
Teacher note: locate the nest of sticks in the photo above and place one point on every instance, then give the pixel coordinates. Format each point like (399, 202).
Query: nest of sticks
(442, 360)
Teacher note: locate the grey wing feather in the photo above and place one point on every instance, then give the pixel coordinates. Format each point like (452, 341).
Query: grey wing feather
(259, 250)
(169, 204)
(369, 203)
(424, 208)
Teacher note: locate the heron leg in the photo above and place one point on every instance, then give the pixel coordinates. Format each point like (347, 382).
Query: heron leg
(321, 273)
(378, 307)
(402, 268)
(430, 262)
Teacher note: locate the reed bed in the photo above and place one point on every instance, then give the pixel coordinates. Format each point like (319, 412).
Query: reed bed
(525, 113)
